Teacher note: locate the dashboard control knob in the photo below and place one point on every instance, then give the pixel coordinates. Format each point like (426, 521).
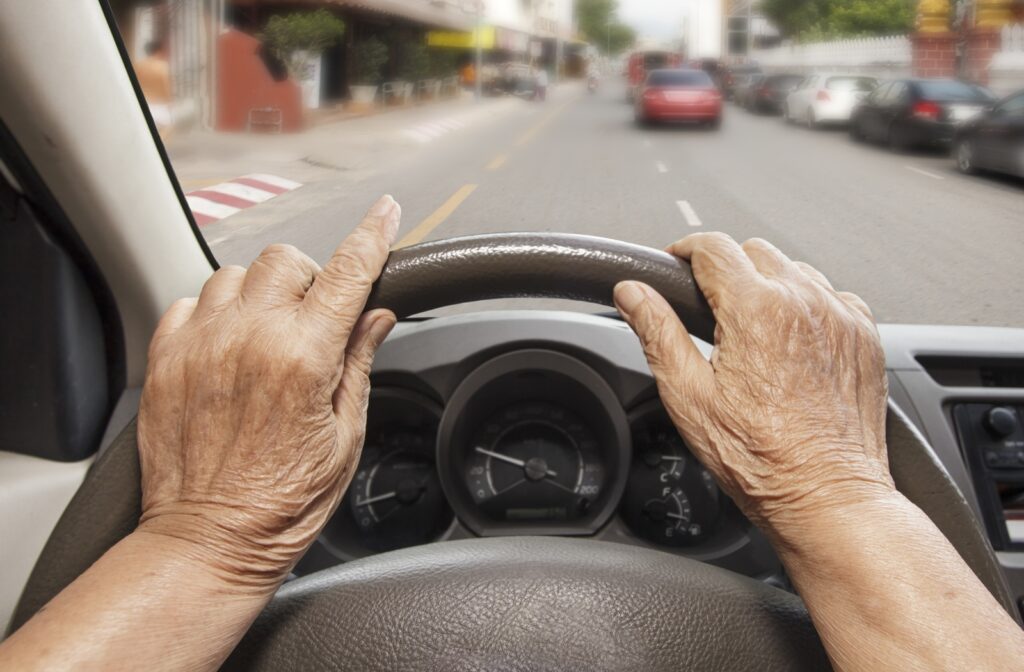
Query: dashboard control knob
(1000, 421)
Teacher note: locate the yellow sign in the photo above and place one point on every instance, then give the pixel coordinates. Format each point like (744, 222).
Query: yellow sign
(462, 40)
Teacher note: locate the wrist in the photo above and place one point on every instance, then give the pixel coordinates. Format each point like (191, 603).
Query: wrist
(236, 562)
(819, 522)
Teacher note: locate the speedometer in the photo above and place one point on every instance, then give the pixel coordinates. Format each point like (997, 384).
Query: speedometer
(534, 462)
(533, 442)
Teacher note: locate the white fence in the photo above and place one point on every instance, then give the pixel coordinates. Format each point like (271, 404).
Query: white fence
(1006, 71)
(878, 56)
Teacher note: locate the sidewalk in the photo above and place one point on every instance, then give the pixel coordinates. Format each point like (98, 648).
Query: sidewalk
(203, 157)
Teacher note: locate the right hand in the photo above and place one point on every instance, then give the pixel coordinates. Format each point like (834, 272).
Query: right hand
(789, 414)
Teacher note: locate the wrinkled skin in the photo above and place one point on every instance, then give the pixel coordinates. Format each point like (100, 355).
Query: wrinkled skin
(790, 412)
(254, 407)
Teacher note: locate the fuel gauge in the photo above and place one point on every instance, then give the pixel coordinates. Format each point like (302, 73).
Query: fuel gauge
(670, 498)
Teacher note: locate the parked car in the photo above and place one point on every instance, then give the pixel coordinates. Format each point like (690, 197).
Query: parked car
(714, 67)
(743, 89)
(770, 94)
(642, 62)
(827, 98)
(993, 140)
(679, 95)
(732, 75)
(907, 113)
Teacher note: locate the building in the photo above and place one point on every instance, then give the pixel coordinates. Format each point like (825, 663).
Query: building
(702, 29)
(744, 29)
(540, 32)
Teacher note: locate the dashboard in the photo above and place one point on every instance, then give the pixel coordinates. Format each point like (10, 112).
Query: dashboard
(528, 423)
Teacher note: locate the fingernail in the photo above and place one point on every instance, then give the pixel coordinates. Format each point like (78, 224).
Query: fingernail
(628, 296)
(382, 206)
(393, 222)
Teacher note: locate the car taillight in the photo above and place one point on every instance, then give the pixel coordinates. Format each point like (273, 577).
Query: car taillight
(823, 96)
(651, 94)
(926, 109)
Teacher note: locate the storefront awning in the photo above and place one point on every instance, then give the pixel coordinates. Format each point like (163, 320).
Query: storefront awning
(491, 37)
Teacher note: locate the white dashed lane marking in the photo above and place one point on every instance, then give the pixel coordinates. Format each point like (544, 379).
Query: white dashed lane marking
(926, 173)
(689, 214)
(660, 165)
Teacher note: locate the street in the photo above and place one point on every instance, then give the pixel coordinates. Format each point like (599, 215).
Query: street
(918, 241)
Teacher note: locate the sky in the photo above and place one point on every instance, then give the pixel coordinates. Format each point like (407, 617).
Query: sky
(654, 18)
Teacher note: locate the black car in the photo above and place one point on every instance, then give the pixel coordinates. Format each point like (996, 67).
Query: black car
(769, 94)
(994, 140)
(908, 113)
(733, 75)
(743, 89)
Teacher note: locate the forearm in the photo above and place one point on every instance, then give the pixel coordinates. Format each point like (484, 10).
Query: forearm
(887, 591)
(149, 601)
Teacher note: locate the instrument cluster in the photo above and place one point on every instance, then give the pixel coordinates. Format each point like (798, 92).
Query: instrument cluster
(531, 442)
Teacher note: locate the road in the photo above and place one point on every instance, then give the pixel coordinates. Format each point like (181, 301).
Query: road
(919, 242)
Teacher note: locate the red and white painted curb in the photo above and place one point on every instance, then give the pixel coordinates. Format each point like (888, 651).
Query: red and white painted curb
(216, 202)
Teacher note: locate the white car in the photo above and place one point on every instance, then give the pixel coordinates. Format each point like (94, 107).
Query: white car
(827, 98)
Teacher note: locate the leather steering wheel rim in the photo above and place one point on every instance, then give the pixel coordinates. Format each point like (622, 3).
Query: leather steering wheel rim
(518, 603)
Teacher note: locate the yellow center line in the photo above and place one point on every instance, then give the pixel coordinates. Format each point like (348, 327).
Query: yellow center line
(437, 218)
(497, 162)
(532, 132)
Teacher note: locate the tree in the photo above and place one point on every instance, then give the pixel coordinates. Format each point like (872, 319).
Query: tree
(293, 38)
(598, 23)
(810, 19)
(368, 57)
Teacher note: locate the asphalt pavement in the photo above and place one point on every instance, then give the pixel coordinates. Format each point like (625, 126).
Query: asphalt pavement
(918, 241)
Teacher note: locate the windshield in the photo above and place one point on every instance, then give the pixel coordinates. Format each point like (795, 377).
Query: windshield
(284, 121)
(682, 78)
(950, 90)
(851, 84)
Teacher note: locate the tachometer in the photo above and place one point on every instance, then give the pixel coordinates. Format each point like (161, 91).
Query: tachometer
(395, 496)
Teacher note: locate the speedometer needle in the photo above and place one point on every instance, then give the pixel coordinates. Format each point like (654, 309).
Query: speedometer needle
(509, 459)
(377, 498)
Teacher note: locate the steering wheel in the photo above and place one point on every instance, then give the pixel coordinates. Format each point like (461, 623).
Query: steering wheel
(518, 603)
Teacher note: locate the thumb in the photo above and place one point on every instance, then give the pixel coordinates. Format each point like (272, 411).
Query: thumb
(685, 378)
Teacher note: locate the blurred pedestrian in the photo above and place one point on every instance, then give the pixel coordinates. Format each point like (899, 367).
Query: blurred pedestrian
(541, 82)
(468, 75)
(154, 75)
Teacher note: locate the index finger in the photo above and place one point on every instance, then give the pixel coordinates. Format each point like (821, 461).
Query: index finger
(720, 266)
(339, 292)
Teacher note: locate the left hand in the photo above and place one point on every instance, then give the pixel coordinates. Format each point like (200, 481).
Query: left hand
(254, 406)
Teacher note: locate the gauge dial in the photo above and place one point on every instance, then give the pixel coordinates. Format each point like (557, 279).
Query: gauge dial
(670, 498)
(534, 462)
(395, 499)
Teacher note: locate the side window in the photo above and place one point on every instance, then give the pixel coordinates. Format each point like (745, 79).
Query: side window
(1014, 107)
(897, 94)
(879, 94)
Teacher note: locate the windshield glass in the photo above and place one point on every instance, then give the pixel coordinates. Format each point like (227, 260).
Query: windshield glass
(285, 121)
(682, 78)
(851, 84)
(949, 90)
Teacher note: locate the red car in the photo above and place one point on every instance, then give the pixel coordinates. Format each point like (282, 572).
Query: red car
(679, 95)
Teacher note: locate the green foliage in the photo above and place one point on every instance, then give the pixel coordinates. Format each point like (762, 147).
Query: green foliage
(310, 32)
(368, 57)
(872, 17)
(822, 19)
(598, 23)
(413, 61)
